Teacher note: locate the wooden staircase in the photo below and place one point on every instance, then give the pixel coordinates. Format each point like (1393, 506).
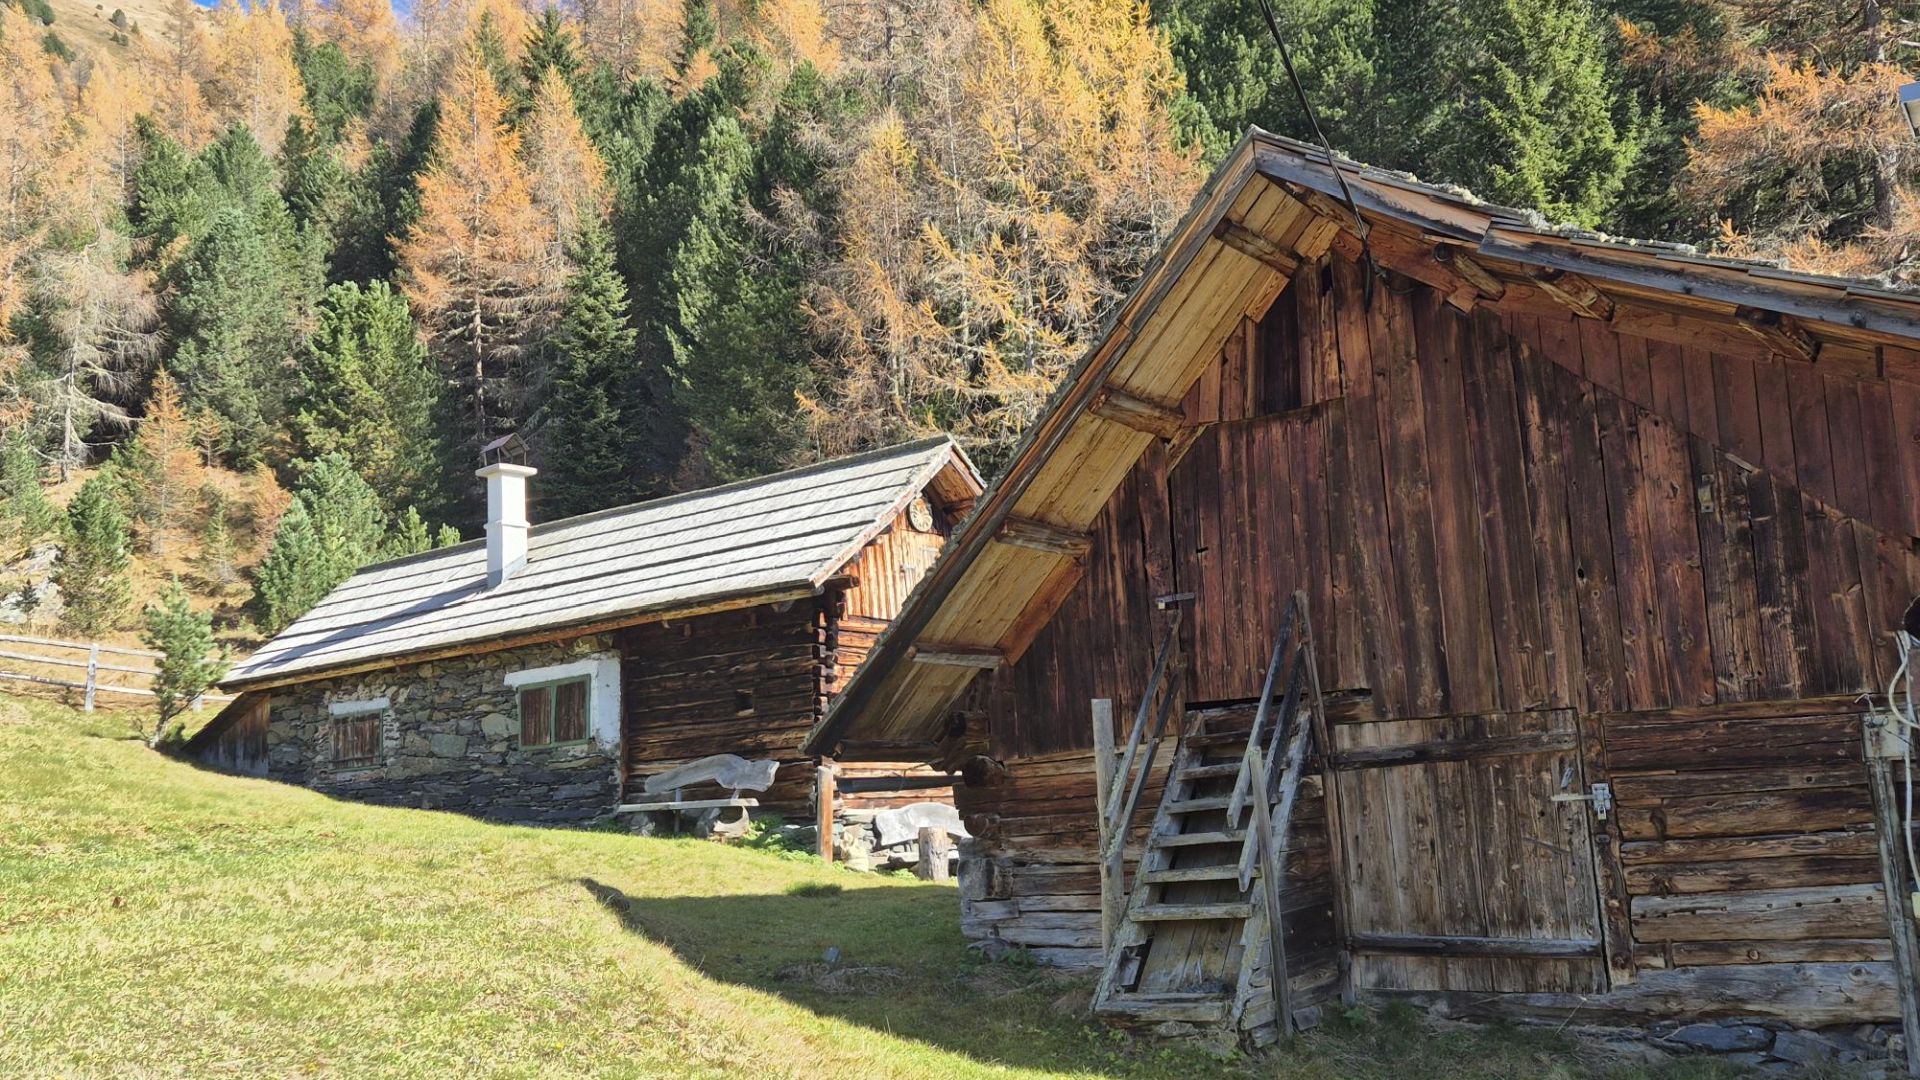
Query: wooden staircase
(1197, 941)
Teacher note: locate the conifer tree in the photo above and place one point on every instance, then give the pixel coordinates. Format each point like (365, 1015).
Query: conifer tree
(409, 536)
(568, 177)
(92, 567)
(472, 264)
(162, 467)
(585, 433)
(369, 392)
(551, 46)
(95, 327)
(216, 535)
(188, 665)
(234, 332)
(291, 578)
(26, 514)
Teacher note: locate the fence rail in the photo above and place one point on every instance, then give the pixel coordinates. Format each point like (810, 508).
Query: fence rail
(94, 666)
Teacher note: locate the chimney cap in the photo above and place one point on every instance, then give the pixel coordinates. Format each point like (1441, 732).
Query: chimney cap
(508, 449)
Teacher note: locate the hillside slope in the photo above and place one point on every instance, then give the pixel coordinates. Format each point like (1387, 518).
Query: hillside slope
(158, 920)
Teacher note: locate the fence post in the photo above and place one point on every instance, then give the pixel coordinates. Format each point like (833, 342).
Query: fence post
(93, 672)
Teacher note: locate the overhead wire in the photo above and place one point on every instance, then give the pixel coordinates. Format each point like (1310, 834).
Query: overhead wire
(1313, 120)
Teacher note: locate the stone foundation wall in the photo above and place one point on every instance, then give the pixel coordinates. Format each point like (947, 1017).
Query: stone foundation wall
(449, 740)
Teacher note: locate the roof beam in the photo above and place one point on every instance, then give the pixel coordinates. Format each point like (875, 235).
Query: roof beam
(1573, 291)
(1781, 334)
(1467, 269)
(968, 656)
(1138, 413)
(1043, 536)
(1252, 244)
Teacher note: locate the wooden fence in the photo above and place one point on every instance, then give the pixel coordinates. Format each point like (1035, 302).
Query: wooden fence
(30, 660)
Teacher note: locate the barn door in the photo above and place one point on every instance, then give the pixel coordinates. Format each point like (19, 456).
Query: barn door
(1468, 848)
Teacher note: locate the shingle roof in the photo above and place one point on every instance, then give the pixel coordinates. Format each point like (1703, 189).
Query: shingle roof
(783, 533)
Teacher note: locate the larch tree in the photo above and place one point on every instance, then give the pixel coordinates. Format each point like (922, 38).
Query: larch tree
(30, 112)
(473, 263)
(177, 63)
(98, 326)
(165, 473)
(254, 80)
(1816, 165)
(631, 37)
(368, 32)
(569, 179)
(986, 224)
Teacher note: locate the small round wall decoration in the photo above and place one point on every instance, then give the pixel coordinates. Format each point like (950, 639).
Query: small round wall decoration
(920, 515)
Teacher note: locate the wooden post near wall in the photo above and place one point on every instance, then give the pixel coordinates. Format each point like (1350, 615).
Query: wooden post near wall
(1886, 742)
(823, 806)
(1102, 710)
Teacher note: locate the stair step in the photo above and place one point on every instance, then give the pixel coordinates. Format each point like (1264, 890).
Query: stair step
(1197, 839)
(1218, 738)
(1200, 1008)
(1210, 772)
(1223, 872)
(1194, 806)
(1239, 909)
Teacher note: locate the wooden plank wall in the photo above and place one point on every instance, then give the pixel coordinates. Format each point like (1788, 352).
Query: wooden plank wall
(890, 567)
(1512, 514)
(1479, 530)
(241, 745)
(1747, 834)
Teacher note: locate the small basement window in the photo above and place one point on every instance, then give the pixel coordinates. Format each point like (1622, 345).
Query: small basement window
(356, 740)
(554, 713)
(354, 730)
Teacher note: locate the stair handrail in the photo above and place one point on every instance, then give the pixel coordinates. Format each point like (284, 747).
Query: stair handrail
(1124, 797)
(1242, 779)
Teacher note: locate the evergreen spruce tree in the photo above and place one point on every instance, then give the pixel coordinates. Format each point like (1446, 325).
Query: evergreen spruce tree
(26, 514)
(368, 391)
(234, 331)
(188, 665)
(409, 536)
(333, 527)
(550, 47)
(583, 434)
(216, 536)
(1535, 121)
(290, 579)
(92, 567)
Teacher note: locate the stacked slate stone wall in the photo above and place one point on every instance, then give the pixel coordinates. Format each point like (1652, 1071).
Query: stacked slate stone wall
(448, 741)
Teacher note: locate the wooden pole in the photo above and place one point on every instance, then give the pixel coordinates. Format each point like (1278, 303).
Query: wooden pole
(823, 805)
(1102, 710)
(93, 672)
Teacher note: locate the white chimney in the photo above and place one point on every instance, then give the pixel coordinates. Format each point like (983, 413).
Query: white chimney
(506, 519)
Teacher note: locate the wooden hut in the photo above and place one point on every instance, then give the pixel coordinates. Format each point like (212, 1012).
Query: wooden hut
(1510, 599)
(544, 673)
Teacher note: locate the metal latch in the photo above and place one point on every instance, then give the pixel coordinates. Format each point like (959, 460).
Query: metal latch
(1601, 796)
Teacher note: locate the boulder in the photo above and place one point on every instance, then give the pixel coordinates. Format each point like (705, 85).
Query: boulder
(1721, 1038)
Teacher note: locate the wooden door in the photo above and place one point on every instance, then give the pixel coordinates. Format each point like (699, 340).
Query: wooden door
(1467, 843)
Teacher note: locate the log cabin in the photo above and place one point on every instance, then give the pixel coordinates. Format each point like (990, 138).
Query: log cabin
(543, 673)
(1420, 601)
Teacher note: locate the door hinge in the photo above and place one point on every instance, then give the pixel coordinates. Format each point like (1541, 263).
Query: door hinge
(1600, 795)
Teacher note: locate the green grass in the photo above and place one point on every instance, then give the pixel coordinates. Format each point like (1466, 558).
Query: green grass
(160, 920)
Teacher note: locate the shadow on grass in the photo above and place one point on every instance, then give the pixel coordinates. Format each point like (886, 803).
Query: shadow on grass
(900, 967)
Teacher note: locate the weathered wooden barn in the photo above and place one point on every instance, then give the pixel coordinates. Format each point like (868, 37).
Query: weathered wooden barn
(543, 673)
(1600, 550)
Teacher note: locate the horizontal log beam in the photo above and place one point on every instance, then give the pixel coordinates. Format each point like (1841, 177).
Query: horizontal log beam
(1454, 750)
(1573, 292)
(1253, 245)
(1460, 945)
(1138, 413)
(1043, 536)
(971, 656)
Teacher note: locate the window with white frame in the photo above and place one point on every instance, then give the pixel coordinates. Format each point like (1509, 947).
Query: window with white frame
(568, 704)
